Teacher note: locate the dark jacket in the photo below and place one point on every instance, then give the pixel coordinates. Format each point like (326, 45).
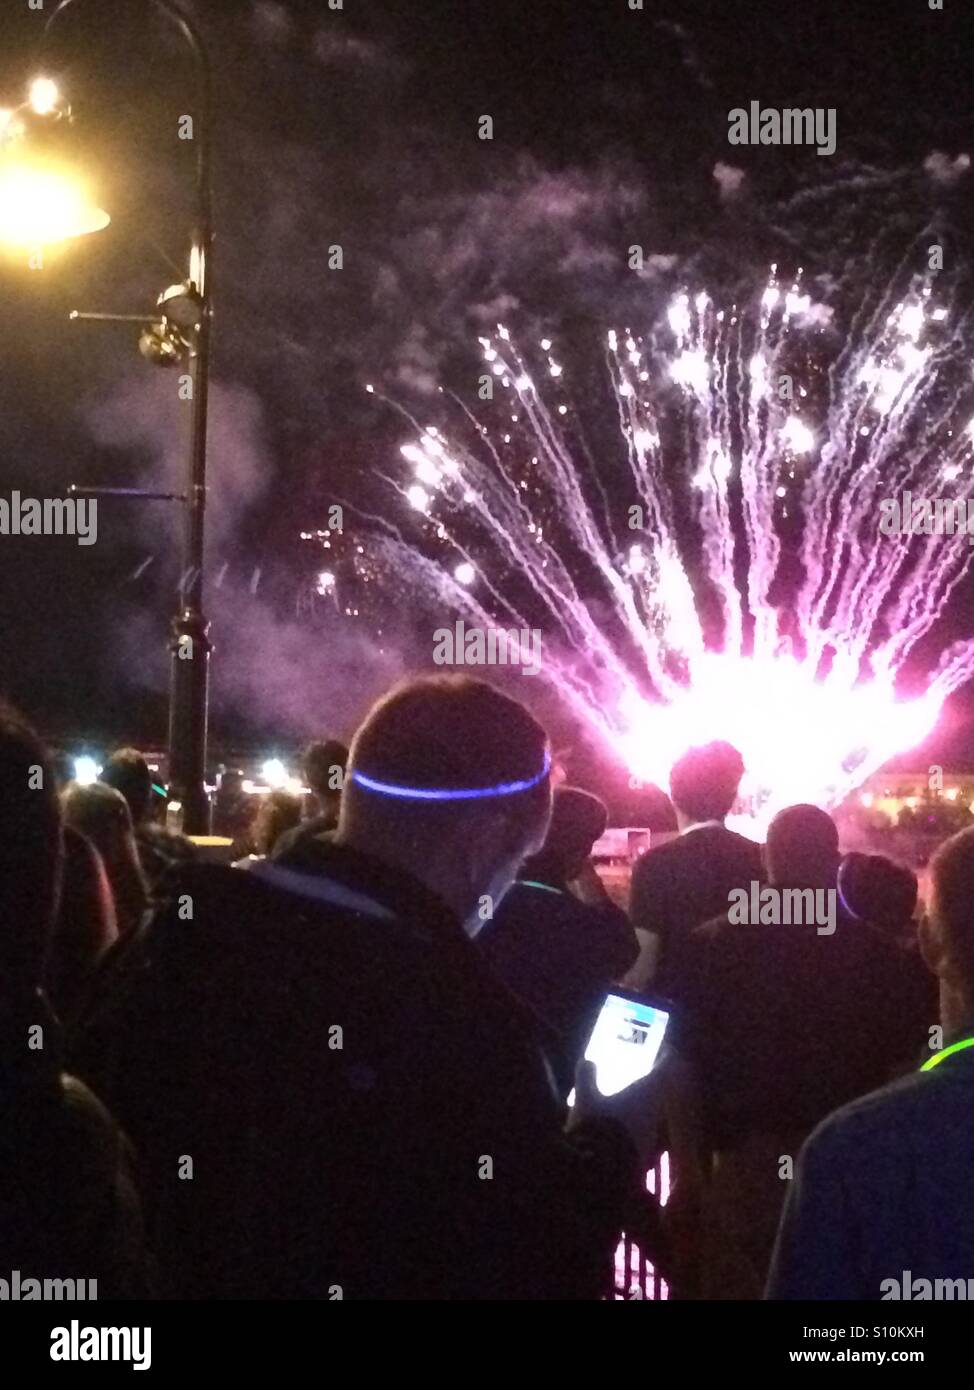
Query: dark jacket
(686, 882)
(784, 1024)
(560, 956)
(365, 1107)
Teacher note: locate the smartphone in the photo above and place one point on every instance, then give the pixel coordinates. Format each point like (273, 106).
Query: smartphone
(626, 1040)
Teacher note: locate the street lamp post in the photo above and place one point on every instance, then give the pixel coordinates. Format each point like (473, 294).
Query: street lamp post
(190, 314)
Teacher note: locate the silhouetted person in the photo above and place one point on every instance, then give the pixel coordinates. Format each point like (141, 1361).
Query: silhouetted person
(684, 882)
(878, 890)
(324, 768)
(279, 812)
(556, 939)
(160, 849)
(84, 927)
(882, 1188)
(102, 815)
(783, 1019)
(68, 1209)
(366, 1105)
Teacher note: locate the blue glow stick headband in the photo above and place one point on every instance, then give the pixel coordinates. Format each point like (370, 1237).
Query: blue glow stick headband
(452, 793)
(842, 897)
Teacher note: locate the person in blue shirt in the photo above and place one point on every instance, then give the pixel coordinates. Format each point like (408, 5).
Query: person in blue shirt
(881, 1206)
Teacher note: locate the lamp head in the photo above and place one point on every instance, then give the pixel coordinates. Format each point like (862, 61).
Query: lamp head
(42, 201)
(44, 98)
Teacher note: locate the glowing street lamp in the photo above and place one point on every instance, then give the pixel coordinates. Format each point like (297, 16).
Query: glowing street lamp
(44, 96)
(41, 204)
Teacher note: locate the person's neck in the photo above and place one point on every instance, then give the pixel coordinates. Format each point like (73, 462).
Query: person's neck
(433, 871)
(956, 1008)
(685, 822)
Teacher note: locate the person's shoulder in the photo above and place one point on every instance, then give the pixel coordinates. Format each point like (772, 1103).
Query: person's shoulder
(660, 858)
(853, 1133)
(89, 1129)
(740, 844)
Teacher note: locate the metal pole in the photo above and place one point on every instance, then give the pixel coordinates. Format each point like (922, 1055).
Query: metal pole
(189, 640)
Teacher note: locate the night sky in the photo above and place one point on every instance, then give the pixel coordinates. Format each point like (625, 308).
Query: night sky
(359, 127)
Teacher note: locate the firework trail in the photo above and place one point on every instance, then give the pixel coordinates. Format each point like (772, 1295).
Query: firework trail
(757, 454)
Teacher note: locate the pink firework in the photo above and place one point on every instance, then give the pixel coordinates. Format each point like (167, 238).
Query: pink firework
(787, 438)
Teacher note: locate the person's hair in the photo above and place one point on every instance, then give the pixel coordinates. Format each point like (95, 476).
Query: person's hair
(102, 815)
(447, 733)
(84, 926)
(128, 772)
(952, 900)
(878, 890)
(278, 812)
(578, 819)
(321, 758)
(802, 847)
(30, 853)
(704, 781)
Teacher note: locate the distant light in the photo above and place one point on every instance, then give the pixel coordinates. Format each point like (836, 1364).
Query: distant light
(952, 793)
(418, 497)
(326, 583)
(86, 771)
(274, 773)
(465, 573)
(44, 96)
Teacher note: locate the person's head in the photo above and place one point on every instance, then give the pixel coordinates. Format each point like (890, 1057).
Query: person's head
(704, 782)
(278, 812)
(878, 890)
(30, 854)
(324, 766)
(947, 930)
(802, 849)
(128, 772)
(101, 814)
(448, 778)
(577, 821)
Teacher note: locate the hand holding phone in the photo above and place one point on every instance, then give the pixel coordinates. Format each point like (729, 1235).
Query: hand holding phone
(625, 1041)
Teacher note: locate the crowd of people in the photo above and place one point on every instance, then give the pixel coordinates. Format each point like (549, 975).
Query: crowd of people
(344, 1073)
